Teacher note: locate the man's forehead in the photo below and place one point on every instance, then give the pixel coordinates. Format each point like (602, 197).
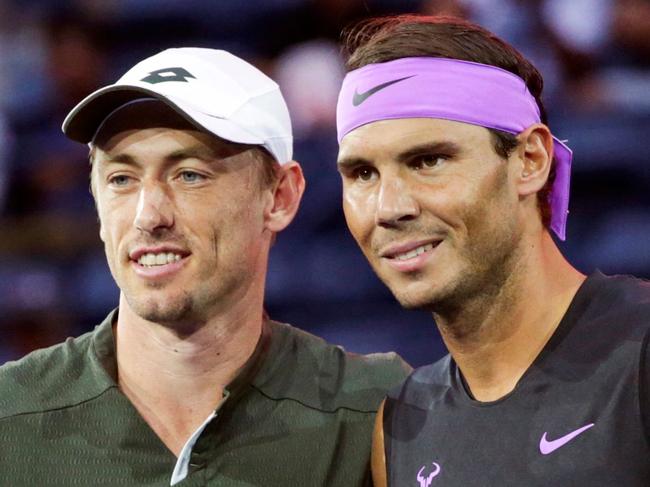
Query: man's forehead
(153, 116)
(388, 137)
(121, 137)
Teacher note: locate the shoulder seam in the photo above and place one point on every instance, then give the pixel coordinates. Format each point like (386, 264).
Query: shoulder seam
(302, 403)
(61, 408)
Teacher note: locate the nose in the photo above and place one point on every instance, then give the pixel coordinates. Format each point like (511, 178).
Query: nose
(395, 203)
(154, 209)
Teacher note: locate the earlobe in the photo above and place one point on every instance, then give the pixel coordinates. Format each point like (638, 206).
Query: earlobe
(536, 153)
(286, 197)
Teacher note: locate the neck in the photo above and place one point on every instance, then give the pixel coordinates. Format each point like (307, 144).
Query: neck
(175, 379)
(495, 336)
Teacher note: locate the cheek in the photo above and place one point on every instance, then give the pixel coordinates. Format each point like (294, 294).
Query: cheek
(443, 205)
(105, 224)
(114, 222)
(237, 220)
(110, 237)
(487, 208)
(358, 209)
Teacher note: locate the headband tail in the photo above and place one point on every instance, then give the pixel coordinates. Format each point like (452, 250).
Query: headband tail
(559, 196)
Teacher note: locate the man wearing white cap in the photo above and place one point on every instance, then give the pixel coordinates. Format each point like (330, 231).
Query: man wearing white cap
(188, 382)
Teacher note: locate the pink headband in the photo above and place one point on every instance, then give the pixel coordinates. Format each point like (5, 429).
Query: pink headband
(428, 87)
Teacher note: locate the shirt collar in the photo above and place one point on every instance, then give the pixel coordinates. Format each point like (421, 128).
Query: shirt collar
(104, 355)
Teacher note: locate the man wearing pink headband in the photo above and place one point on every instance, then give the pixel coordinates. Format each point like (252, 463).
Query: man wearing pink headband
(452, 184)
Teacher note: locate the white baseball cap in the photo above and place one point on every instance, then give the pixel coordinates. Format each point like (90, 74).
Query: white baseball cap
(213, 89)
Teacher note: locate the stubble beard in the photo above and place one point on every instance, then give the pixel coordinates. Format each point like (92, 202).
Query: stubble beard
(484, 272)
(166, 312)
(187, 310)
(481, 272)
(460, 309)
(178, 309)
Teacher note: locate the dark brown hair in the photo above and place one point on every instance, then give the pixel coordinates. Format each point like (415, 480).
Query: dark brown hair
(384, 39)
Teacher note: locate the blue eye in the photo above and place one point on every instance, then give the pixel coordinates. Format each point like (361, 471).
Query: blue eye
(191, 176)
(119, 180)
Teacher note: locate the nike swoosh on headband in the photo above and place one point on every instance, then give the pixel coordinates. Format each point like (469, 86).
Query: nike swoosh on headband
(359, 98)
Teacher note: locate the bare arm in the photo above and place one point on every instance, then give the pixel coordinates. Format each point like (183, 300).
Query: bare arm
(378, 456)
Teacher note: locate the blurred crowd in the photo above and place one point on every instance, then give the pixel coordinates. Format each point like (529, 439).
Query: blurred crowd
(54, 283)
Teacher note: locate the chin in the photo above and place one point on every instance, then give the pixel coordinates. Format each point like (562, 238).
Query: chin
(164, 312)
(417, 301)
(425, 295)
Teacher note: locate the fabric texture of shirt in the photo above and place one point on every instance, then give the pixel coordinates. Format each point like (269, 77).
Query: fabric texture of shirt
(300, 413)
(579, 416)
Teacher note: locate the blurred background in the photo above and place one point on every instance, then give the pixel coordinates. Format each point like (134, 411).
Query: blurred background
(54, 282)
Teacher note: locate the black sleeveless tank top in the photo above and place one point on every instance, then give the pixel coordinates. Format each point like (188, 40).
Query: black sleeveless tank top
(578, 417)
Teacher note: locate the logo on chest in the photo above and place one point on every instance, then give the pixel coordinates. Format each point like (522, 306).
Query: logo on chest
(425, 481)
(549, 446)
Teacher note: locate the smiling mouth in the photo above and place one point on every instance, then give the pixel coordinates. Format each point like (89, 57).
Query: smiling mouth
(413, 253)
(158, 259)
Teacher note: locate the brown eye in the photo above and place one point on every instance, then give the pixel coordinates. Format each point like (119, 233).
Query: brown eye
(365, 173)
(431, 161)
(428, 161)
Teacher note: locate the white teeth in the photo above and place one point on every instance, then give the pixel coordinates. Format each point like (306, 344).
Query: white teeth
(150, 260)
(415, 252)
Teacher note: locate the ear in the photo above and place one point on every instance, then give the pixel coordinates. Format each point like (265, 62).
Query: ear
(287, 193)
(535, 151)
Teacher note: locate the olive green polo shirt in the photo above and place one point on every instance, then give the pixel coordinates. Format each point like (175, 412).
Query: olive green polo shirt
(300, 413)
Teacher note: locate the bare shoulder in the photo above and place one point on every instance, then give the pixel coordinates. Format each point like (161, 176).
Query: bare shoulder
(378, 456)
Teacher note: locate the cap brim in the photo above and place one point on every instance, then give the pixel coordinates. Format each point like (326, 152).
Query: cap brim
(84, 119)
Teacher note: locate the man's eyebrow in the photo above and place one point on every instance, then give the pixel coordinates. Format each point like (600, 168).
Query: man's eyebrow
(195, 152)
(119, 159)
(444, 147)
(347, 163)
(201, 152)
